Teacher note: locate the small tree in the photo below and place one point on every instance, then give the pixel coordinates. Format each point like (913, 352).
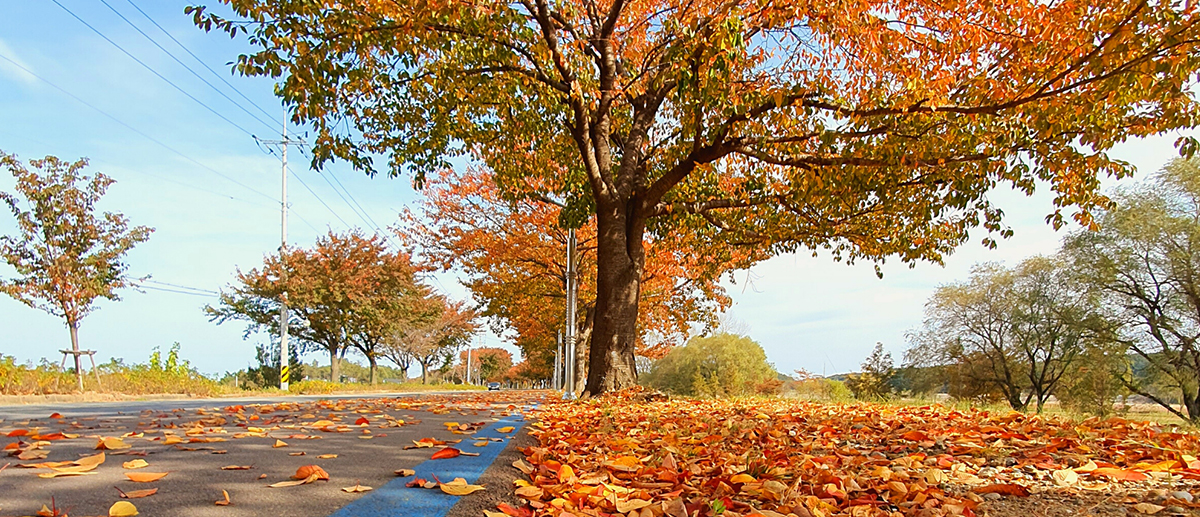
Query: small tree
(66, 256)
(875, 380)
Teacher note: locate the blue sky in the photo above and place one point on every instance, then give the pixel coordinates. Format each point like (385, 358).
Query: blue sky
(807, 312)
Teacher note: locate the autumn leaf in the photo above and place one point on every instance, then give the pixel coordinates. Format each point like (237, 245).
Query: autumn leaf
(135, 464)
(145, 477)
(309, 471)
(279, 443)
(327, 456)
(1065, 477)
(405, 473)
(626, 506)
(58, 474)
(1147, 508)
(122, 509)
(225, 501)
(237, 467)
(285, 484)
(112, 444)
(136, 494)
(1010, 489)
(505, 430)
(459, 487)
(445, 453)
(362, 421)
(357, 488)
(1119, 474)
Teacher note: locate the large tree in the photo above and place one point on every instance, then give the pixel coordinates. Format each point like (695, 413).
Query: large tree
(65, 254)
(513, 255)
(1145, 262)
(872, 128)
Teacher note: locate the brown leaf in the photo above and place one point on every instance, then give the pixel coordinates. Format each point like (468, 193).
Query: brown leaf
(284, 484)
(1147, 508)
(357, 488)
(327, 456)
(406, 472)
(224, 502)
(112, 444)
(137, 494)
(237, 467)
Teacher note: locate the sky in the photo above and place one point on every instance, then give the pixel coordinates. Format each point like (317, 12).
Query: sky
(186, 162)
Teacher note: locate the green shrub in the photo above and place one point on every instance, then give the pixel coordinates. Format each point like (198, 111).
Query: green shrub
(157, 376)
(723, 365)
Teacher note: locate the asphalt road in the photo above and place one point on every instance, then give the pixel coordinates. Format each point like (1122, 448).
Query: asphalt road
(367, 454)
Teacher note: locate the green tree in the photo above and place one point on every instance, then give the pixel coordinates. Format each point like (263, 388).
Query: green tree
(874, 382)
(722, 365)
(1010, 332)
(65, 254)
(266, 373)
(1145, 263)
(872, 128)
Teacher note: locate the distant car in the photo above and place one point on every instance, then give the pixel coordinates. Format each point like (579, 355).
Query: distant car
(493, 386)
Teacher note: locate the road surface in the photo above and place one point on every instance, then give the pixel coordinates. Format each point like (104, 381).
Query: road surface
(192, 440)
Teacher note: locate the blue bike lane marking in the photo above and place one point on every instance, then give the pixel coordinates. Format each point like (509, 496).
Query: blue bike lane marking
(395, 499)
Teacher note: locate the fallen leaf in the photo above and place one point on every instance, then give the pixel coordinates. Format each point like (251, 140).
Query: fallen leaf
(1119, 474)
(122, 509)
(1004, 489)
(631, 505)
(297, 453)
(1065, 477)
(459, 487)
(1147, 508)
(362, 420)
(145, 477)
(506, 429)
(309, 471)
(280, 443)
(224, 502)
(137, 494)
(49, 475)
(405, 473)
(284, 484)
(135, 464)
(530, 492)
(357, 488)
(237, 467)
(113, 444)
(445, 453)
(327, 456)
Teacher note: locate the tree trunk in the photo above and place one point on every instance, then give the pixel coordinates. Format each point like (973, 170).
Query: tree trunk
(335, 366)
(374, 368)
(619, 259)
(424, 373)
(583, 343)
(74, 326)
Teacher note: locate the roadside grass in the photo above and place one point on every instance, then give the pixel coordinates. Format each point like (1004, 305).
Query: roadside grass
(171, 377)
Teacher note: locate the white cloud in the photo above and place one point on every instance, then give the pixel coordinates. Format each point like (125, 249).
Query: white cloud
(13, 71)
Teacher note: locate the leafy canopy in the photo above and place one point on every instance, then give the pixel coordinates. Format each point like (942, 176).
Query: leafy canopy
(870, 127)
(66, 255)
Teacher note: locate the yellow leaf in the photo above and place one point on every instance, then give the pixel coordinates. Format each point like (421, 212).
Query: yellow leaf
(122, 509)
(450, 425)
(459, 487)
(135, 464)
(405, 473)
(327, 456)
(481, 444)
(740, 478)
(226, 501)
(279, 443)
(49, 475)
(112, 443)
(172, 440)
(530, 492)
(1065, 477)
(357, 489)
(94, 460)
(506, 429)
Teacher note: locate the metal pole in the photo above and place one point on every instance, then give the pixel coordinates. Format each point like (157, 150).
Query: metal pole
(284, 368)
(558, 369)
(571, 290)
(468, 365)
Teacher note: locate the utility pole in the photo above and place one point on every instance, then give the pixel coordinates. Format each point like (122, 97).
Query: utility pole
(284, 367)
(468, 365)
(572, 288)
(556, 380)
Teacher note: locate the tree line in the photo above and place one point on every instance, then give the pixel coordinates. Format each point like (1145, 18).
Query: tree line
(1114, 311)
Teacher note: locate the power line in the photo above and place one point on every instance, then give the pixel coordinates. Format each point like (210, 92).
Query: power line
(177, 286)
(189, 69)
(165, 290)
(148, 137)
(352, 203)
(303, 183)
(152, 70)
(201, 61)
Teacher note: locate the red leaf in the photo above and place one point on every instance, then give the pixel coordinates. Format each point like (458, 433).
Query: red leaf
(18, 432)
(55, 415)
(362, 420)
(915, 436)
(448, 452)
(1120, 474)
(1004, 489)
(416, 483)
